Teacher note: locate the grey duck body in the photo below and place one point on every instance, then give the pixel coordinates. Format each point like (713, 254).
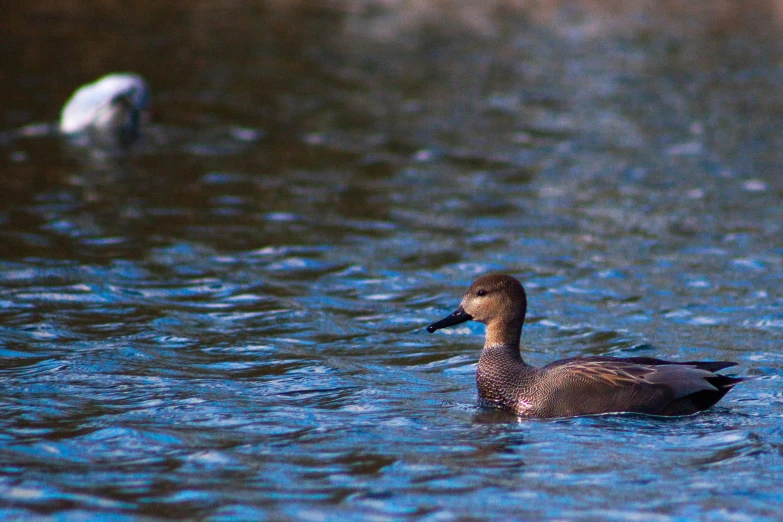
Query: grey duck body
(579, 385)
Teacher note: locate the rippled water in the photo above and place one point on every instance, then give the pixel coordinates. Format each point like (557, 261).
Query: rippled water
(227, 323)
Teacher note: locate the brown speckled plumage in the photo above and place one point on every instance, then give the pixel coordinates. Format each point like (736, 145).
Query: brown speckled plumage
(579, 385)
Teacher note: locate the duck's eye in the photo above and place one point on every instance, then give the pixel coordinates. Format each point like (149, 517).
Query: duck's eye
(481, 293)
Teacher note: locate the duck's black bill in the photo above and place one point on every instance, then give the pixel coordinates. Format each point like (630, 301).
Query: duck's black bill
(458, 316)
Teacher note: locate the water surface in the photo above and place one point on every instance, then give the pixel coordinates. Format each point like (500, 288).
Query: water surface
(228, 322)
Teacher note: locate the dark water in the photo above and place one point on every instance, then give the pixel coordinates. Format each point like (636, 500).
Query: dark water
(228, 322)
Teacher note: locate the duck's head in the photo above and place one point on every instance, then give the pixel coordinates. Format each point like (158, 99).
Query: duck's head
(493, 299)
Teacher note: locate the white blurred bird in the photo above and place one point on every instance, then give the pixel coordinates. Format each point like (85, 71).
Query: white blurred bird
(110, 110)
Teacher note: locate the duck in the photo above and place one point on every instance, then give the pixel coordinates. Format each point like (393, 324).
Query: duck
(111, 109)
(575, 386)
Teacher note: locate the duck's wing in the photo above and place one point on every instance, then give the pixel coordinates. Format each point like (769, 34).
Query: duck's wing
(618, 373)
(602, 384)
(710, 366)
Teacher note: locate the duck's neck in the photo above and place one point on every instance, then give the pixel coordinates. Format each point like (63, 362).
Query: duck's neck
(502, 333)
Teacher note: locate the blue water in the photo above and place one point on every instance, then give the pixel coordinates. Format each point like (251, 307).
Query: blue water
(227, 322)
